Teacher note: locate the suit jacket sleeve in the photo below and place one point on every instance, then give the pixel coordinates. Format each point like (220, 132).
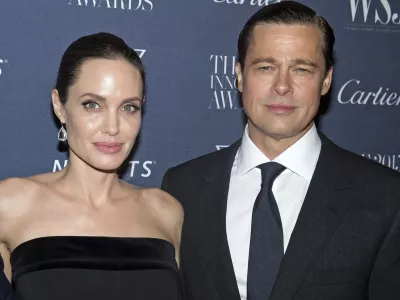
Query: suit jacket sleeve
(385, 276)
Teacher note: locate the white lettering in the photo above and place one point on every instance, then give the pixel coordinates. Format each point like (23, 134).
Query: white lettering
(388, 11)
(354, 8)
(57, 165)
(226, 63)
(263, 2)
(148, 171)
(150, 5)
(133, 163)
(380, 97)
(392, 96)
(383, 16)
(252, 2)
(223, 82)
(224, 100)
(140, 52)
(389, 160)
(145, 165)
(145, 5)
(342, 89)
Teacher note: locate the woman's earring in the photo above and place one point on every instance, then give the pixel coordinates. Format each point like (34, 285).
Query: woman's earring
(62, 134)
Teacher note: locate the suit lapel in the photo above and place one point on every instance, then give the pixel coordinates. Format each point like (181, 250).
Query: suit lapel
(328, 197)
(214, 241)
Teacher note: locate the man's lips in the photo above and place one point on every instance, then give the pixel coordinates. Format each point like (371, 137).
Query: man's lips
(280, 109)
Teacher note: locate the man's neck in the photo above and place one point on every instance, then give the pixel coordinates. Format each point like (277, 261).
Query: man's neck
(273, 146)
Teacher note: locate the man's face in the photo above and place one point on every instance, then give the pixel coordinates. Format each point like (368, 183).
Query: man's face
(283, 79)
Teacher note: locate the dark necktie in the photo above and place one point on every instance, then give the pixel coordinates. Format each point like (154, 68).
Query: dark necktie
(266, 241)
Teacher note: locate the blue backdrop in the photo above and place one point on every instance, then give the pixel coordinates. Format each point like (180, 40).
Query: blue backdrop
(189, 50)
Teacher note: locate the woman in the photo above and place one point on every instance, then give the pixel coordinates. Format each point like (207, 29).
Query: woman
(82, 233)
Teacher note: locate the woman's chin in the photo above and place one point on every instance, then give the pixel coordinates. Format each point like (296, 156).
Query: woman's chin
(107, 167)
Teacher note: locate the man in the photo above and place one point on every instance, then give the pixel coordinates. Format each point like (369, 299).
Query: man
(284, 213)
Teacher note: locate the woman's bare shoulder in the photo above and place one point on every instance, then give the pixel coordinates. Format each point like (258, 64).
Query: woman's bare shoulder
(16, 189)
(13, 187)
(163, 203)
(15, 195)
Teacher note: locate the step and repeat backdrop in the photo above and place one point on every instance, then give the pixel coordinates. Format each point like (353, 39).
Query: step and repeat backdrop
(189, 51)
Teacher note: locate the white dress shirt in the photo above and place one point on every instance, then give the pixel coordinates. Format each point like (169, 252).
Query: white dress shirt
(289, 189)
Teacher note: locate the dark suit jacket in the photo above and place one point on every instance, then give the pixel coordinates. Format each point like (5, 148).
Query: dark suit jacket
(5, 286)
(345, 245)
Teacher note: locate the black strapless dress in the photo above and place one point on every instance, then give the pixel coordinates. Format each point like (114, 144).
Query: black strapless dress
(98, 268)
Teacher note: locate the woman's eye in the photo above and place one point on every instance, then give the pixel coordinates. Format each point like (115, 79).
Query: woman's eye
(90, 105)
(130, 108)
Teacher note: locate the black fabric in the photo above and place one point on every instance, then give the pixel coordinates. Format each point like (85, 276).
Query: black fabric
(345, 244)
(5, 286)
(98, 268)
(266, 240)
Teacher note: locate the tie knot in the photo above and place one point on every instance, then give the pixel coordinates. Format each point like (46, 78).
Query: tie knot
(269, 172)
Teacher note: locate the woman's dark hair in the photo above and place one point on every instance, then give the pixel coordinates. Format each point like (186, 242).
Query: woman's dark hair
(287, 13)
(99, 45)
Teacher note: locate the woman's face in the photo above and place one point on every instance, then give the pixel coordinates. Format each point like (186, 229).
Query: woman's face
(102, 113)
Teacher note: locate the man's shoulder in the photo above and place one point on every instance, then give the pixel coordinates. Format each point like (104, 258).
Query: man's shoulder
(360, 166)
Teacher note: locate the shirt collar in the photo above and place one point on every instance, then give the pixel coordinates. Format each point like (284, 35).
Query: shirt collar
(301, 158)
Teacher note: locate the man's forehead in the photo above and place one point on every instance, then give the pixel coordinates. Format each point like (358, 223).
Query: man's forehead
(301, 36)
(304, 30)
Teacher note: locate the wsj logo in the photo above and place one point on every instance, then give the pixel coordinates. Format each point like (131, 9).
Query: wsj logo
(145, 5)
(135, 167)
(252, 2)
(378, 13)
(350, 93)
(140, 52)
(389, 160)
(223, 83)
(2, 61)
